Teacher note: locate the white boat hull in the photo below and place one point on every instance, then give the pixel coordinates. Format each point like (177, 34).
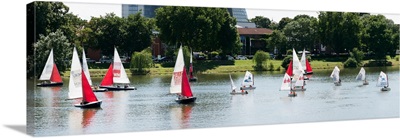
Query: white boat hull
(247, 88)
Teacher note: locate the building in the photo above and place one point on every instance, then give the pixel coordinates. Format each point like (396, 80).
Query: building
(147, 10)
(251, 39)
(239, 13)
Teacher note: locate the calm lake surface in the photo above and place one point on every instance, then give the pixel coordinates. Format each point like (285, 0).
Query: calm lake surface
(151, 107)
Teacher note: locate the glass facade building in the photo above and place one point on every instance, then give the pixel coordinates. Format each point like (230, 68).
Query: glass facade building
(149, 11)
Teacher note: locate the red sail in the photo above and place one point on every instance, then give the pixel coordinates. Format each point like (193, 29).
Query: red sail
(55, 75)
(289, 70)
(186, 91)
(308, 66)
(191, 71)
(87, 92)
(108, 79)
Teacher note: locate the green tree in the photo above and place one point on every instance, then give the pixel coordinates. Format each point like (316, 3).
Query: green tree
(137, 33)
(378, 37)
(62, 50)
(283, 22)
(141, 61)
(260, 59)
(286, 61)
(277, 40)
(339, 31)
(199, 28)
(107, 33)
(301, 32)
(261, 22)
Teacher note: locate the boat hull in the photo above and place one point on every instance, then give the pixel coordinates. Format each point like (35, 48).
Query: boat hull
(366, 83)
(385, 89)
(292, 95)
(95, 104)
(234, 93)
(186, 100)
(49, 84)
(99, 89)
(338, 84)
(116, 88)
(192, 79)
(247, 88)
(299, 89)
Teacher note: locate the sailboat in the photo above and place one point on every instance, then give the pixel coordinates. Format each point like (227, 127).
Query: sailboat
(305, 64)
(180, 83)
(191, 77)
(335, 76)
(248, 82)
(383, 81)
(299, 84)
(75, 77)
(87, 73)
(287, 85)
(50, 75)
(295, 68)
(116, 74)
(233, 88)
(89, 100)
(361, 76)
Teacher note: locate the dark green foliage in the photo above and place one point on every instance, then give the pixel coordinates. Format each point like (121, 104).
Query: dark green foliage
(286, 61)
(260, 59)
(140, 62)
(261, 22)
(350, 62)
(357, 55)
(62, 52)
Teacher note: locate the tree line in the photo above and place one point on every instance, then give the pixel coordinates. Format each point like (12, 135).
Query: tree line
(341, 32)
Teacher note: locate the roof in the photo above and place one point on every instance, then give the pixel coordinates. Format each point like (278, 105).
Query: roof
(254, 31)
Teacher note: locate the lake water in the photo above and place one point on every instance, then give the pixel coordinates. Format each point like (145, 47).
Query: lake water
(152, 108)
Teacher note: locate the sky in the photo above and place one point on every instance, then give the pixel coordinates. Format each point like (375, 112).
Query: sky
(86, 10)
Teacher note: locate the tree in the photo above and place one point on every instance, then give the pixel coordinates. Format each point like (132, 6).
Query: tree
(339, 31)
(176, 26)
(140, 61)
(261, 22)
(137, 33)
(301, 32)
(62, 50)
(277, 40)
(260, 59)
(378, 37)
(283, 22)
(107, 33)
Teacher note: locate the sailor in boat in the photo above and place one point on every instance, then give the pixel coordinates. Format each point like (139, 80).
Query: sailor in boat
(126, 86)
(84, 102)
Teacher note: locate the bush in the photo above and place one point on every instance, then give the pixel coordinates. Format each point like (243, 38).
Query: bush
(140, 62)
(350, 62)
(260, 58)
(271, 67)
(286, 61)
(397, 58)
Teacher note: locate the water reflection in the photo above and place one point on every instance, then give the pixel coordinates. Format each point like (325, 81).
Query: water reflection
(151, 108)
(180, 115)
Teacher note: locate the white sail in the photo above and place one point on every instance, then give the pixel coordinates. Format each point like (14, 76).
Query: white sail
(233, 87)
(48, 68)
(75, 77)
(303, 60)
(85, 67)
(119, 74)
(382, 80)
(176, 81)
(300, 81)
(248, 79)
(361, 75)
(285, 83)
(335, 74)
(297, 68)
(191, 60)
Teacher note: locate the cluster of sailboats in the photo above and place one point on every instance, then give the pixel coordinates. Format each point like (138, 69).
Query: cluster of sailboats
(81, 86)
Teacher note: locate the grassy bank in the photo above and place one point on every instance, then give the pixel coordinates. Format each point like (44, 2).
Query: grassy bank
(209, 67)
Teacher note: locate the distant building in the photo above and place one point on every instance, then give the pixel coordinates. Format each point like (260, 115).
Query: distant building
(239, 13)
(147, 10)
(251, 39)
